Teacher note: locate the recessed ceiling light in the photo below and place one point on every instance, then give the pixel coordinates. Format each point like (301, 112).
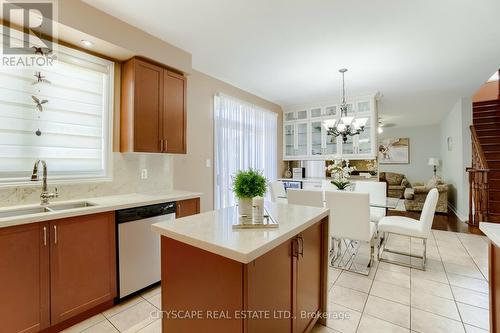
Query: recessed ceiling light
(87, 43)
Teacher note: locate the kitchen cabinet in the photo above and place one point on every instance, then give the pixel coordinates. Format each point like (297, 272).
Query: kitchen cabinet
(82, 264)
(53, 271)
(24, 278)
(153, 109)
(316, 141)
(187, 207)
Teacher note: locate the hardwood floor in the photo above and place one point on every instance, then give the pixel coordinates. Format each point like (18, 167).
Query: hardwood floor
(446, 222)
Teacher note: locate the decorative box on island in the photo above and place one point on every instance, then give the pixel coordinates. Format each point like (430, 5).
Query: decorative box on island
(258, 219)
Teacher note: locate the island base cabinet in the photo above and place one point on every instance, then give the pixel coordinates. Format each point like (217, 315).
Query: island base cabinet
(82, 264)
(24, 278)
(276, 292)
(494, 285)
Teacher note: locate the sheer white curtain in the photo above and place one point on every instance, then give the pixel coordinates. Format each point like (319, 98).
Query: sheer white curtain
(245, 137)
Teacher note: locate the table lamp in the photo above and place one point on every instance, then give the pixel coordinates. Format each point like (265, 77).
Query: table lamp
(435, 163)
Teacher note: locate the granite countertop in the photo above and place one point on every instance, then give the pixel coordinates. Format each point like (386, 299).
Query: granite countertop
(100, 205)
(492, 231)
(213, 232)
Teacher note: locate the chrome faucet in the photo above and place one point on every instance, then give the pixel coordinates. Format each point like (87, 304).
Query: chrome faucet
(45, 195)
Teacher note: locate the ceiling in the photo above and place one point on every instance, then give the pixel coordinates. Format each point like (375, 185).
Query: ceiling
(421, 55)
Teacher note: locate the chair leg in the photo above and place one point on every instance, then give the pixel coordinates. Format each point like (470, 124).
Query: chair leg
(424, 256)
(410, 255)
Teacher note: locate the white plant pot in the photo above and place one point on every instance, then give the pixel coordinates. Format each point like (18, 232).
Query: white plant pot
(245, 206)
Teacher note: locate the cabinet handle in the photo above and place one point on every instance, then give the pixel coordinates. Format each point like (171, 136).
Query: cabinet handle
(44, 236)
(55, 234)
(166, 145)
(295, 245)
(300, 241)
(161, 145)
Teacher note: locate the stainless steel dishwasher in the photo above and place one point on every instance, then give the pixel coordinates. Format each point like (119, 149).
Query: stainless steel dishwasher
(138, 247)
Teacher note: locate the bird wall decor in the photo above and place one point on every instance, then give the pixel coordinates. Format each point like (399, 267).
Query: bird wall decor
(39, 103)
(40, 78)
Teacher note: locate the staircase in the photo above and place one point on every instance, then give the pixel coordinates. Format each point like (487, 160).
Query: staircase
(484, 176)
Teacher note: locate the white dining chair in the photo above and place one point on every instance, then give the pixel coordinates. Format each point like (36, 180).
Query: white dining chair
(378, 196)
(406, 226)
(277, 191)
(305, 198)
(350, 224)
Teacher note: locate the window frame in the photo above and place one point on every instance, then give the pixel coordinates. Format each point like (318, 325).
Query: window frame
(107, 129)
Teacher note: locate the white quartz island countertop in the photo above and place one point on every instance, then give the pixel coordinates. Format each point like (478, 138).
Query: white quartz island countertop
(213, 232)
(98, 205)
(492, 231)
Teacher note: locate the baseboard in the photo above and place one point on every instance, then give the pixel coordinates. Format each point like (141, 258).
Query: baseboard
(461, 217)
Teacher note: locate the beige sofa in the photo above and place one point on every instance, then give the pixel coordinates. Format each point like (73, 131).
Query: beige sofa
(396, 183)
(415, 196)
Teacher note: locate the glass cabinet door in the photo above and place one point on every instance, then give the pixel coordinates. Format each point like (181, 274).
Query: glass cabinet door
(316, 113)
(331, 144)
(348, 147)
(301, 139)
(316, 138)
(290, 139)
(295, 115)
(364, 141)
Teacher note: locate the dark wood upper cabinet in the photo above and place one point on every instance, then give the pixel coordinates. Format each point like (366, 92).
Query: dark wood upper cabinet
(82, 264)
(153, 109)
(24, 278)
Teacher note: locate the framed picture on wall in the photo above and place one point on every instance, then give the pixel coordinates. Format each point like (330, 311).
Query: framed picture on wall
(394, 151)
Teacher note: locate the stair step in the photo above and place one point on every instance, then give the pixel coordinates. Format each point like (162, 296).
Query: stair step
(495, 218)
(487, 126)
(483, 103)
(486, 112)
(494, 164)
(494, 206)
(490, 147)
(485, 108)
(492, 156)
(489, 139)
(494, 195)
(486, 120)
(486, 130)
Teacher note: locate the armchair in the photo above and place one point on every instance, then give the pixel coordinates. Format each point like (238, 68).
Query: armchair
(396, 183)
(415, 197)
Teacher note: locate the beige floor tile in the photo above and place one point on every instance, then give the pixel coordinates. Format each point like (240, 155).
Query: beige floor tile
(85, 324)
(122, 306)
(437, 305)
(349, 298)
(473, 329)
(322, 329)
(345, 321)
(431, 287)
(471, 297)
(154, 327)
(155, 300)
(480, 285)
(135, 317)
(333, 274)
(102, 327)
(393, 312)
(151, 292)
(391, 292)
(393, 268)
(369, 324)
(426, 322)
(474, 316)
(465, 270)
(431, 264)
(354, 281)
(429, 274)
(398, 279)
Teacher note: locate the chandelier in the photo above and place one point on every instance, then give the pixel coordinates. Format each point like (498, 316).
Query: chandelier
(346, 125)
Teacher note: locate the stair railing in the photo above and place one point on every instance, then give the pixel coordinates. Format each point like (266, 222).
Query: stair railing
(478, 183)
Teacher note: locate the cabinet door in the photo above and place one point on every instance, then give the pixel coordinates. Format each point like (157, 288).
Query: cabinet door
(24, 278)
(308, 277)
(269, 288)
(317, 142)
(148, 106)
(174, 113)
(187, 207)
(82, 264)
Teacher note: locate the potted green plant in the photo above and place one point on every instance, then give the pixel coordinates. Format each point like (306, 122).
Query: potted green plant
(246, 185)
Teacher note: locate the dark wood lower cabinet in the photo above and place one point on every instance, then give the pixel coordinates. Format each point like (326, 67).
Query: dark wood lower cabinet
(82, 264)
(24, 278)
(494, 283)
(187, 207)
(54, 274)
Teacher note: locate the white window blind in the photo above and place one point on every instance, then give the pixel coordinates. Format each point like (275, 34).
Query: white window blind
(74, 125)
(245, 137)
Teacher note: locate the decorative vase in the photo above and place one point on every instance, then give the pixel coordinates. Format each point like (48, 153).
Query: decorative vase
(245, 207)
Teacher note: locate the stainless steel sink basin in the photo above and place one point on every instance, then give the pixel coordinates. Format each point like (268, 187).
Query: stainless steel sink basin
(70, 205)
(23, 211)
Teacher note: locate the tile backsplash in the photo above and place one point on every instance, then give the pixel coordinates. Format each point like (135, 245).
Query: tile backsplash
(126, 179)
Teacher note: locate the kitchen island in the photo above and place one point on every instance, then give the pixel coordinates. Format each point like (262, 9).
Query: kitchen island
(216, 279)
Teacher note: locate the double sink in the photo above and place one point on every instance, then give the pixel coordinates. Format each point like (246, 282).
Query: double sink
(56, 207)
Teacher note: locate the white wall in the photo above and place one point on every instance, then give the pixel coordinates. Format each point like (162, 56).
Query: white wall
(455, 125)
(424, 143)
